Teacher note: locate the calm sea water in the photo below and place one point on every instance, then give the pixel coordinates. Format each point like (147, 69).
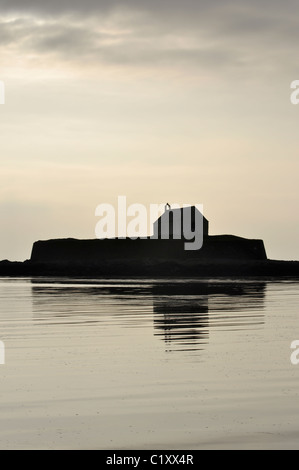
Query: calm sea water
(148, 364)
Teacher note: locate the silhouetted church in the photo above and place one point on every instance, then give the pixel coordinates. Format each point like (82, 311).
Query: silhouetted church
(165, 253)
(171, 224)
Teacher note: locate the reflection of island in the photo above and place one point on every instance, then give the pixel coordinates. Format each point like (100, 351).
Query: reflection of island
(185, 313)
(182, 310)
(73, 301)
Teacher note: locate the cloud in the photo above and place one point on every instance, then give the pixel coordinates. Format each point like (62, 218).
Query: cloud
(58, 6)
(247, 37)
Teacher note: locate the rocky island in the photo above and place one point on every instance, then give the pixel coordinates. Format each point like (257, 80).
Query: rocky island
(159, 255)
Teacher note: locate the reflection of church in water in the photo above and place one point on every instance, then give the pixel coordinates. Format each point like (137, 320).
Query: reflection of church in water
(185, 313)
(181, 319)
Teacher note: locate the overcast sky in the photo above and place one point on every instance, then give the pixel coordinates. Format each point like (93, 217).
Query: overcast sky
(158, 100)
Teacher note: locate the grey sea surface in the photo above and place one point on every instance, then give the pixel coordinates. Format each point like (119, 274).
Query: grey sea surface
(148, 364)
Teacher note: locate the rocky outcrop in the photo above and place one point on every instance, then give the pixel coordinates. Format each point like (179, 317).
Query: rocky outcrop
(99, 252)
